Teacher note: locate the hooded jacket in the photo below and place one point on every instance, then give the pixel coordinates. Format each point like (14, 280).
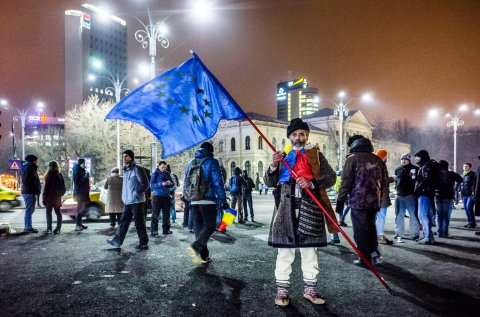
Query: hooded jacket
(135, 184)
(81, 184)
(364, 177)
(213, 176)
(406, 179)
(468, 184)
(446, 183)
(158, 177)
(427, 175)
(30, 181)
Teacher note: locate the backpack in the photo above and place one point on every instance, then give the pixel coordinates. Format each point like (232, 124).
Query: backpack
(233, 185)
(195, 185)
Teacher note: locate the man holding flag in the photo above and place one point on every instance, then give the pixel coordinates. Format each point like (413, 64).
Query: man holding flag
(297, 221)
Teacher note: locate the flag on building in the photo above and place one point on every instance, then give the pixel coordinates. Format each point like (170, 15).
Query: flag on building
(182, 107)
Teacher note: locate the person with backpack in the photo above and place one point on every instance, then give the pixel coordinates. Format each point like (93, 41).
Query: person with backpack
(203, 186)
(425, 191)
(247, 196)
(236, 186)
(161, 182)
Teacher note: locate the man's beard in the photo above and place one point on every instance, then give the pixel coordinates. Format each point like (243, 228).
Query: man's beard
(299, 143)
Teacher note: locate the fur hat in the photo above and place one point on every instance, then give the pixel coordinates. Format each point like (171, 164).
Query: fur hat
(207, 146)
(129, 153)
(31, 158)
(296, 124)
(381, 153)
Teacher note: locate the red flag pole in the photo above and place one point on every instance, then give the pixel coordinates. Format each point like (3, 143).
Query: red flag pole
(309, 192)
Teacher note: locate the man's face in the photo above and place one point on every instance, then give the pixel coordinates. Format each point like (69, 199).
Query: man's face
(35, 162)
(404, 162)
(466, 167)
(299, 138)
(126, 158)
(417, 159)
(163, 167)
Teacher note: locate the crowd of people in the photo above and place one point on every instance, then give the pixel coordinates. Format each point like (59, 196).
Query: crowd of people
(426, 191)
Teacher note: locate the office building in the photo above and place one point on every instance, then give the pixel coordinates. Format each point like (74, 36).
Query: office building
(295, 99)
(95, 46)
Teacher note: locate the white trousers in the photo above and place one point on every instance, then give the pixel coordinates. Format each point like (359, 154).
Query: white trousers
(285, 258)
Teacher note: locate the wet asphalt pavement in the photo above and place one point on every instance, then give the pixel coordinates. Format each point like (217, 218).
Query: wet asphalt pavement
(77, 274)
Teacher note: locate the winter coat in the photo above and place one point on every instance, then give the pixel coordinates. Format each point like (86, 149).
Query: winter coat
(81, 184)
(30, 181)
(53, 190)
(364, 177)
(406, 178)
(213, 176)
(250, 185)
(386, 201)
(114, 185)
(285, 228)
(135, 184)
(446, 184)
(426, 178)
(158, 177)
(468, 184)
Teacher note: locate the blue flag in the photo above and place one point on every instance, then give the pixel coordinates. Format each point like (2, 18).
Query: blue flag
(182, 107)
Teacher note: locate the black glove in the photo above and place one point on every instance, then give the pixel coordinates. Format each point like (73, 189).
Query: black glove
(340, 206)
(225, 206)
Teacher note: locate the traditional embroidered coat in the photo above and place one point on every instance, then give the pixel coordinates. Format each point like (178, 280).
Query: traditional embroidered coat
(288, 230)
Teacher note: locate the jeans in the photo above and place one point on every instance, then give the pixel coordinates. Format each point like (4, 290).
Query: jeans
(173, 212)
(80, 213)
(285, 258)
(219, 212)
(468, 205)
(403, 204)
(238, 199)
(49, 217)
(132, 211)
(380, 221)
(204, 224)
(344, 213)
(364, 231)
(187, 219)
(114, 217)
(247, 202)
(160, 203)
(30, 200)
(425, 215)
(444, 211)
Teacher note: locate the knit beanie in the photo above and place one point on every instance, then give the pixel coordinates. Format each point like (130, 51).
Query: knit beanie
(129, 153)
(31, 158)
(207, 146)
(382, 153)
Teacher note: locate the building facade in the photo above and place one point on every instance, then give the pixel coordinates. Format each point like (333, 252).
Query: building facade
(95, 47)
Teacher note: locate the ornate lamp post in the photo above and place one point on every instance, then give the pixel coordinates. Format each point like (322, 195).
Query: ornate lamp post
(455, 122)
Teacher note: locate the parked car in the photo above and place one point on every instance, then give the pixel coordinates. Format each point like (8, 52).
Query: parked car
(8, 199)
(94, 209)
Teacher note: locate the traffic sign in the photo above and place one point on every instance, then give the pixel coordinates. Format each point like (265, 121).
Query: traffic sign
(14, 165)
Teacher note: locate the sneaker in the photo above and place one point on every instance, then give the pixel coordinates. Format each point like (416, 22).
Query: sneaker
(425, 241)
(48, 231)
(167, 232)
(141, 247)
(282, 298)
(334, 238)
(208, 259)
(31, 230)
(311, 294)
(191, 231)
(56, 231)
(246, 219)
(383, 240)
(377, 259)
(360, 263)
(195, 257)
(114, 243)
(253, 220)
(84, 227)
(343, 224)
(78, 228)
(416, 238)
(154, 233)
(470, 225)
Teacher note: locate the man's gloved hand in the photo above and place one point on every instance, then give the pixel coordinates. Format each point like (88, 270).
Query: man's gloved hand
(340, 206)
(225, 206)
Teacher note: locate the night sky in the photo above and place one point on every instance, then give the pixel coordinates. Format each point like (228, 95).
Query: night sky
(411, 54)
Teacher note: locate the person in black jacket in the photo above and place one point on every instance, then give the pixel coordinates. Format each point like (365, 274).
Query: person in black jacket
(247, 195)
(444, 195)
(405, 177)
(468, 191)
(81, 191)
(30, 189)
(425, 191)
(52, 196)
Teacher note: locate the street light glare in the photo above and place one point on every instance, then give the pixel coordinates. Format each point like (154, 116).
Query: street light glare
(97, 64)
(4, 102)
(463, 107)
(202, 8)
(432, 113)
(40, 104)
(477, 112)
(367, 97)
(342, 94)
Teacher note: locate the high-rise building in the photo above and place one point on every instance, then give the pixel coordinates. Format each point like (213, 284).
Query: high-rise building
(295, 99)
(95, 46)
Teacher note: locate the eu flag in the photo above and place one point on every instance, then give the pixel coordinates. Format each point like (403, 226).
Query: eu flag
(182, 107)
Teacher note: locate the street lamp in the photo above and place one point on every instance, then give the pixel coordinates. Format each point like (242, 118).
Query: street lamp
(455, 122)
(341, 112)
(22, 117)
(117, 89)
